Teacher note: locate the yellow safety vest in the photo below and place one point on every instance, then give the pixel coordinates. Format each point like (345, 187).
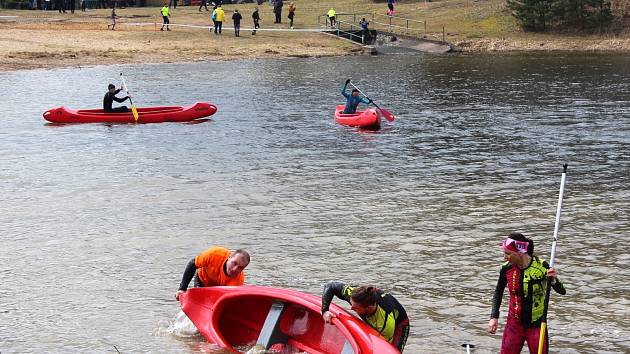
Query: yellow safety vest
(165, 11)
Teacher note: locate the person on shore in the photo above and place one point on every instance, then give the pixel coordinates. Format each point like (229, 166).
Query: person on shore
(213, 16)
(525, 276)
(219, 15)
(82, 4)
(377, 308)
(236, 17)
(331, 17)
(352, 99)
(46, 5)
(113, 16)
(110, 97)
(277, 10)
(70, 4)
(165, 18)
(291, 9)
(390, 7)
(61, 7)
(256, 19)
(365, 31)
(216, 266)
(203, 4)
(173, 2)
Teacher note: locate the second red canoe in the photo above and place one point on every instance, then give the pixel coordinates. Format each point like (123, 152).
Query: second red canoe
(368, 119)
(282, 319)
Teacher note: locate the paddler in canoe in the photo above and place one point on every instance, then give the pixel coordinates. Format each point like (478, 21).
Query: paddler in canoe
(375, 307)
(352, 99)
(216, 266)
(110, 97)
(525, 275)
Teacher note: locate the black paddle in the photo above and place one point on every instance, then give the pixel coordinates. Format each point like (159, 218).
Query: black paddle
(390, 117)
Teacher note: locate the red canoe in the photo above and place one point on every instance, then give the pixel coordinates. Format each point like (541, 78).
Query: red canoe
(368, 119)
(277, 318)
(146, 115)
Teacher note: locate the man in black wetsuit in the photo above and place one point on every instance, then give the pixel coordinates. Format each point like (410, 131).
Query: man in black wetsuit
(110, 97)
(377, 308)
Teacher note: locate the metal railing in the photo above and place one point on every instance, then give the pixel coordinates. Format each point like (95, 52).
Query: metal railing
(344, 28)
(390, 24)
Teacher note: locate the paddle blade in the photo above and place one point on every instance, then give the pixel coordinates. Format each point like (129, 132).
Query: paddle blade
(135, 112)
(390, 117)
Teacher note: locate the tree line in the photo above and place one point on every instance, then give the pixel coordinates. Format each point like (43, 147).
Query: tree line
(543, 15)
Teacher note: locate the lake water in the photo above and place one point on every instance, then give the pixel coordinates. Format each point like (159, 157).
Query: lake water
(99, 221)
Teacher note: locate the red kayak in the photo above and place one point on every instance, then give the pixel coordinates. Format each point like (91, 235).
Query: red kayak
(145, 115)
(368, 119)
(277, 318)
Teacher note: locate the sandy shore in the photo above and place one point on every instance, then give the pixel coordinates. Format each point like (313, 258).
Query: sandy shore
(37, 39)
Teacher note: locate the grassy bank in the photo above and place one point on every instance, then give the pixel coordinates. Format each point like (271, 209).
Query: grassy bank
(34, 39)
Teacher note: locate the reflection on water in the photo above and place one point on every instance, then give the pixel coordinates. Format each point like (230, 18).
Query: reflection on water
(100, 221)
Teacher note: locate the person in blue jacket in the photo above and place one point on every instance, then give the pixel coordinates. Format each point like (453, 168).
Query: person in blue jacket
(352, 99)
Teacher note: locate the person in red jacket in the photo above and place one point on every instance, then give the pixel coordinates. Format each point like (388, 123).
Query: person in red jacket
(216, 266)
(525, 275)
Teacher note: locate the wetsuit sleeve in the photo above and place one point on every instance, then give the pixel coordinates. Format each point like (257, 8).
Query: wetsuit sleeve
(332, 289)
(365, 100)
(498, 293)
(120, 99)
(189, 273)
(558, 286)
(344, 93)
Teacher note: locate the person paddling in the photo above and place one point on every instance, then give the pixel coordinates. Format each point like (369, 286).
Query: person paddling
(377, 308)
(110, 97)
(216, 266)
(525, 275)
(352, 99)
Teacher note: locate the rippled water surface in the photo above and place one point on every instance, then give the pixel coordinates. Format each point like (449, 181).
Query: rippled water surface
(99, 221)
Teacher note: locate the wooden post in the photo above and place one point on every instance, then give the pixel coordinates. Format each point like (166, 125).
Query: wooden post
(443, 35)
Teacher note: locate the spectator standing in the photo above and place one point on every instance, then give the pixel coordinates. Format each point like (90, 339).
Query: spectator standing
(113, 25)
(219, 16)
(390, 7)
(365, 24)
(204, 4)
(291, 13)
(331, 17)
(60, 6)
(236, 17)
(165, 18)
(256, 18)
(277, 9)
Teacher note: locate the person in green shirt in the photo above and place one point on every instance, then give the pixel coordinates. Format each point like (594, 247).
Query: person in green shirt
(375, 307)
(331, 17)
(165, 18)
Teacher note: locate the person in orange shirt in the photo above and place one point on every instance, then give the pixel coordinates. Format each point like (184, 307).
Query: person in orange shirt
(216, 266)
